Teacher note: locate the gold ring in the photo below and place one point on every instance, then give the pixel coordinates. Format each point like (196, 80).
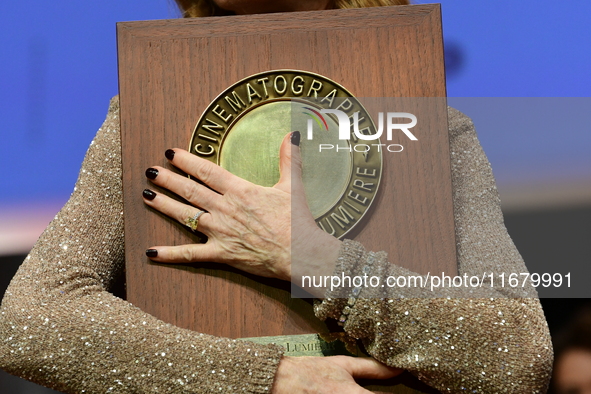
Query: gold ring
(193, 222)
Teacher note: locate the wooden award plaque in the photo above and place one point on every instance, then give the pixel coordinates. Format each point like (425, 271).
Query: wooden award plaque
(169, 73)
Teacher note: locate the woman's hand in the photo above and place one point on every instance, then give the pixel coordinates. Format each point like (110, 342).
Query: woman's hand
(328, 375)
(253, 228)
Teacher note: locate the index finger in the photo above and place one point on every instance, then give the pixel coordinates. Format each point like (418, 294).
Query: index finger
(209, 173)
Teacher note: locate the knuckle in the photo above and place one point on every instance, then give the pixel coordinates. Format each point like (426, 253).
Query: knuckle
(204, 170)
(191, 192)
(181, 254)
(187, 254)
(249, 192)
(230, 208)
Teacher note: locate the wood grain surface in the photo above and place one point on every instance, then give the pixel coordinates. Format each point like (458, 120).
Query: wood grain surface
(170, 70)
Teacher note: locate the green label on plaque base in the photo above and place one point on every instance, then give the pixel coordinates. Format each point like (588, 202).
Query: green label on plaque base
(306, 345)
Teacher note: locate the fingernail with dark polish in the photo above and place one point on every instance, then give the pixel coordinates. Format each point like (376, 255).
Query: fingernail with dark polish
(295, 138)
(152, 173)
(151, 253)
(169, 154)
(148, 194)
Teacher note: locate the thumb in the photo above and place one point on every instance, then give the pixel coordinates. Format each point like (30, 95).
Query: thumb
(367, 368)
(290, 164)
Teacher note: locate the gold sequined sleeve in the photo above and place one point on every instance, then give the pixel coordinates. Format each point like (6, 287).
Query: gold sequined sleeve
(59, 326)
(483, 340)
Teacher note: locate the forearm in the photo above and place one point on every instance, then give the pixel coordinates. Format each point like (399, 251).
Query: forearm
(460, 341)
(97, 341)
(60, 327)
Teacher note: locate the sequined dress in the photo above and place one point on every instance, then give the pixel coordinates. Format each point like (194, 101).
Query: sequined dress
(60, 326)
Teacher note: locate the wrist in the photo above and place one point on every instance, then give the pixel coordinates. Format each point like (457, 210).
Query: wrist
(317, 259)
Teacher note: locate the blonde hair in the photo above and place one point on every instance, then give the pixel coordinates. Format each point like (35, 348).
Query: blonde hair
(200, 8)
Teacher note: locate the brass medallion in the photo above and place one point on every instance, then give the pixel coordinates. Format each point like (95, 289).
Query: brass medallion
(243, 127)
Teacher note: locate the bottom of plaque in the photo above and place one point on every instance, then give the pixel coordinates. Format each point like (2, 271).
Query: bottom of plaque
(314, 345)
